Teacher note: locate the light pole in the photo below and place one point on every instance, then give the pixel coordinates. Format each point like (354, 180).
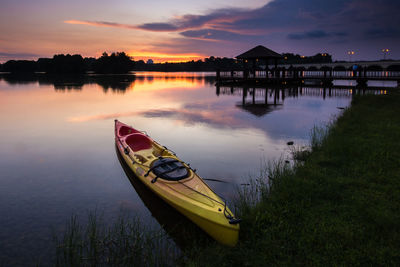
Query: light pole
(385, 51)
(350, 53)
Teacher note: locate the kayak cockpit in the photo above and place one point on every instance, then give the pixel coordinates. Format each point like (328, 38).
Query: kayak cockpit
(125, 130)
(146, 151)
(138, 141)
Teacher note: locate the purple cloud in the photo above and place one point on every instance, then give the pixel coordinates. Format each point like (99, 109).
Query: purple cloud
(278, 16)
(317, 34)
(340, 24)
(159, 27)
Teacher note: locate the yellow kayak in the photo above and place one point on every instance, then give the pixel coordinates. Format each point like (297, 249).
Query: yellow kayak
(176, 183)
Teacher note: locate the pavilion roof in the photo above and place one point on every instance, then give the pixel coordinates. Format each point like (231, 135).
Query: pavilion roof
(259, 52)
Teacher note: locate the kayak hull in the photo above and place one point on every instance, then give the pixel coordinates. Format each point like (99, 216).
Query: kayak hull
(190, 196)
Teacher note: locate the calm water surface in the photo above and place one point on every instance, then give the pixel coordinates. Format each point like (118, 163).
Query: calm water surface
(57, 151)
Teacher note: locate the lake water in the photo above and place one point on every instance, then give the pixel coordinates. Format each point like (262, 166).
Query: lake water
(57, 150)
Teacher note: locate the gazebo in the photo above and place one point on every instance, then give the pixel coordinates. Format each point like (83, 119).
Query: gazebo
(259, 53)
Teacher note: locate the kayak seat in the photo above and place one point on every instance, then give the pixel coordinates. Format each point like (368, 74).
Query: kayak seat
(138, 141)
(169, 169)
(124, 130)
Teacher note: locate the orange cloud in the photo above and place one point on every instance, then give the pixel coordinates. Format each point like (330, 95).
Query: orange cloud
(101, 24)
(215, 23)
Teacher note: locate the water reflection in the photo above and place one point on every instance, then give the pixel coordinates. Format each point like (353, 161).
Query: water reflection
(116, 83)
(277, 93)
(265, 100)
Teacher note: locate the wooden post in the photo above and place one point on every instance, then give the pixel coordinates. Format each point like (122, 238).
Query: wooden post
(254, 68)
(244, 69)
(218, 74)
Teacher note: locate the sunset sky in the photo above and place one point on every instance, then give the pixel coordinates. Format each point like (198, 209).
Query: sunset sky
(180, 30)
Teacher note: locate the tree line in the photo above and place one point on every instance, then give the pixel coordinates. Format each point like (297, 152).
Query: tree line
(120, 62)
(72, 64)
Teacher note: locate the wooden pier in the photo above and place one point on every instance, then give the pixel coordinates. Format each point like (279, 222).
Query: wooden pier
(257, 68)
(298, 76)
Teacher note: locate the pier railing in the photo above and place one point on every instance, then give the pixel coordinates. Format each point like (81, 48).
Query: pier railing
(308, 74)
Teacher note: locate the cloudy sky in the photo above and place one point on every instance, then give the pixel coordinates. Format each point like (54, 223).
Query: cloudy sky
(178, 30)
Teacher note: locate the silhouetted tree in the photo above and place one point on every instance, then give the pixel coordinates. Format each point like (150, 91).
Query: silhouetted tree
(141, 65)
(121, 63)
(89, 63)
(67, 64)
(45, 64)
(289, 58)
(20, 66)
(115, 63)
(208, 64)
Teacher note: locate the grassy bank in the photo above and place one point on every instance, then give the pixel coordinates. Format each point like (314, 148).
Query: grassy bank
(338, 207)
(123, 242)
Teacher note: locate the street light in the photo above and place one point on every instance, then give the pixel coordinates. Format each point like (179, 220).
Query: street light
(350, 53)
(385, 51)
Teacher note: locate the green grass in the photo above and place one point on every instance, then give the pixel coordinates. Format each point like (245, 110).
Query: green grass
(339, 205)
(124, 242)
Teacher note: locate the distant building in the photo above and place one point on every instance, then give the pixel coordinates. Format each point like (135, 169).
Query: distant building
(150, 61)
